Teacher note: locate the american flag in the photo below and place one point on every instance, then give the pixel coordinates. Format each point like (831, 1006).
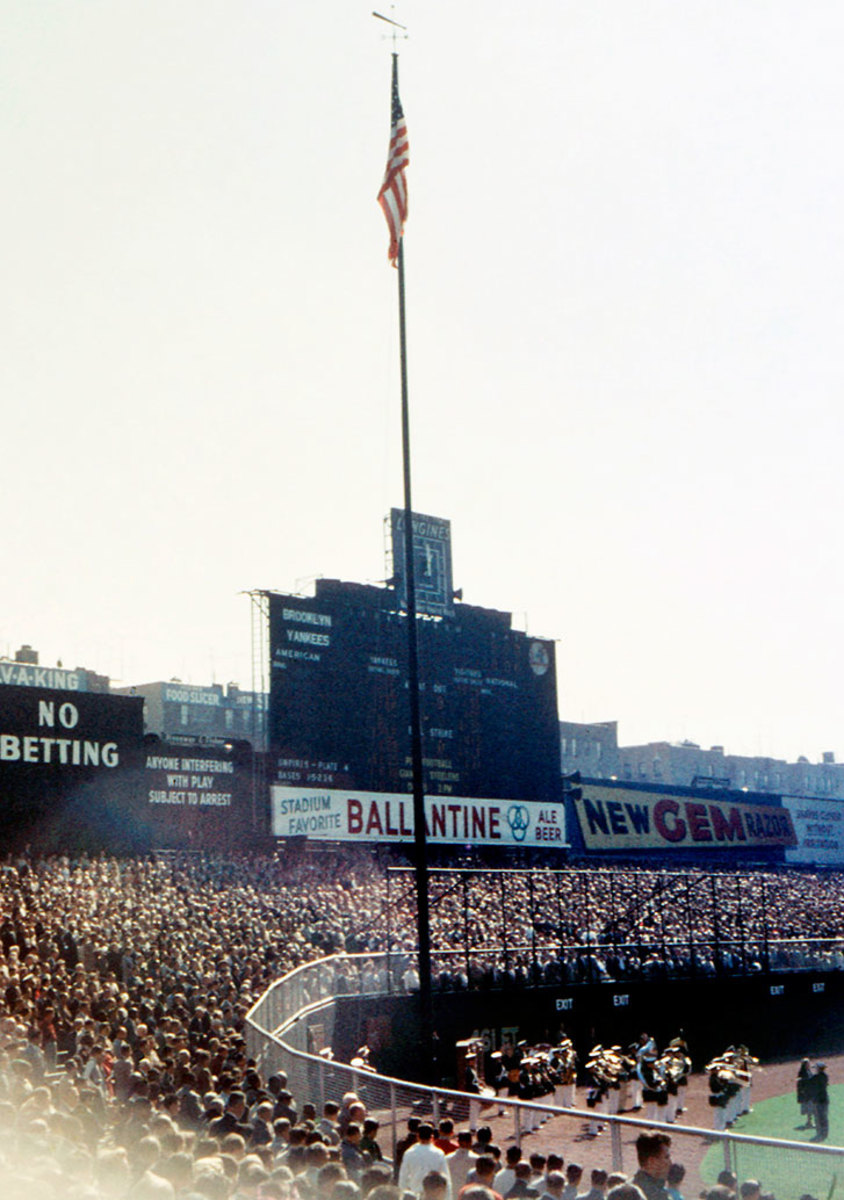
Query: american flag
(393, 194)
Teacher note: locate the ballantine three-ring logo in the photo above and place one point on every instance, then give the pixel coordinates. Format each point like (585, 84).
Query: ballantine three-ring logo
(518, 818)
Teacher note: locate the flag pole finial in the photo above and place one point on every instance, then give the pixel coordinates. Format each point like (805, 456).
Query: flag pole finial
(396, 25)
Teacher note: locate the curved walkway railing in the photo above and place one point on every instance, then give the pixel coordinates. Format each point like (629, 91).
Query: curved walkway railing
(293, 1022)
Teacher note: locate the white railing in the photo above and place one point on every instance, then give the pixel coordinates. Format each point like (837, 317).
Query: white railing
(294, 1019)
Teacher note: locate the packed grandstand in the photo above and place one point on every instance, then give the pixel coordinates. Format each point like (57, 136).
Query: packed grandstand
(127, 982)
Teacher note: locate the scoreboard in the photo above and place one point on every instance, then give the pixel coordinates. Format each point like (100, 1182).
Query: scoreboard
(339, 706)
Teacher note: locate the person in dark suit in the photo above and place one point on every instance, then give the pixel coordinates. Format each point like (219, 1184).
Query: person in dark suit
(804, 1076)
(233, 1119)
(819, 1091)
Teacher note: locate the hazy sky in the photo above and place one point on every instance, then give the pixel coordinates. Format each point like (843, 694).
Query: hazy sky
(624, 286)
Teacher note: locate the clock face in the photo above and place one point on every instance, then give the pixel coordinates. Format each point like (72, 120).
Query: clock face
(539, 658)
(429, 564)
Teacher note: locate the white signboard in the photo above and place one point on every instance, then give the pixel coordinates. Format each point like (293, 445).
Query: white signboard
(332, 814)
(819, 825)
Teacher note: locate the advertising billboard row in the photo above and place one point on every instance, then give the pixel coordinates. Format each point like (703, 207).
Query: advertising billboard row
(607, 819)
(75, 769)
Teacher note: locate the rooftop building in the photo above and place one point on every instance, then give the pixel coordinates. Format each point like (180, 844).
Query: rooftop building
(593, 750)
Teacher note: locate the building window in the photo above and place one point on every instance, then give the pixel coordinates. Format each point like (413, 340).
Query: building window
(229, 719)
(598, 750)
(183, 714)
(564, 744)
(574, 747)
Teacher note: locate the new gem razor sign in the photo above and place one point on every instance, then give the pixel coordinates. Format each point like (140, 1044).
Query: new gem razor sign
(623, 819)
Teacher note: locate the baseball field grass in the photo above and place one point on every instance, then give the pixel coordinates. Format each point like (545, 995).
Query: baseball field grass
(787, 1173)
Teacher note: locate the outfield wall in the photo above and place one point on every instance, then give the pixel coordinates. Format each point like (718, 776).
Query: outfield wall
(777, 1016)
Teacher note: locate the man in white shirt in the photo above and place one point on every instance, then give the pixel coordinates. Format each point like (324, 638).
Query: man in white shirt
(506, 1177)
(93, 1072)
(461, 1160)
(420, 1159)
(328, 1126)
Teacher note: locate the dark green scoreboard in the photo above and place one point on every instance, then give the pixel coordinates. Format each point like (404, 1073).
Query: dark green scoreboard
(339, 708)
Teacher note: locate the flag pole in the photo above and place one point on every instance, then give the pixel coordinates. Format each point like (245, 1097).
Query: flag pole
(393, 200)
(423, 921)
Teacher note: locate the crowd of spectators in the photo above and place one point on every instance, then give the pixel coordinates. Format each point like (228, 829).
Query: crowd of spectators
(605, 924)
(124, 986)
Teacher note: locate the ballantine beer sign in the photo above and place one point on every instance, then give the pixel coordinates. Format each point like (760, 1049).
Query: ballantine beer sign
(332, 814)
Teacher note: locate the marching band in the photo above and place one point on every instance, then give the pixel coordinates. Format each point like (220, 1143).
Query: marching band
(730, 1080)
(619, 1080)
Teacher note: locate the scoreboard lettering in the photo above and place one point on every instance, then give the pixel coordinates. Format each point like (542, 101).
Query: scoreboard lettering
(339, 707)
